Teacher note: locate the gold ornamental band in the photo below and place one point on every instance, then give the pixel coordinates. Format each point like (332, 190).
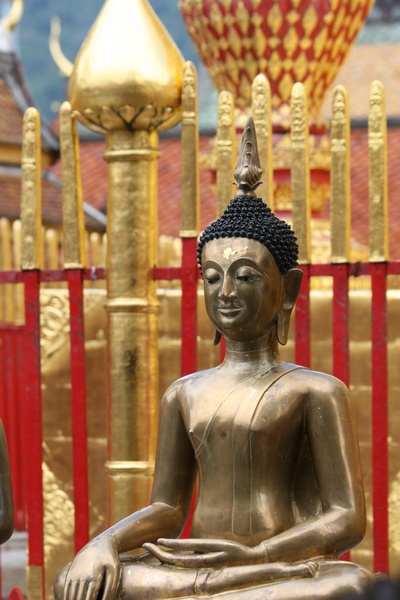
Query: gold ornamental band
(142, 467)
(188, 233)
(137, 305)
(132, 154)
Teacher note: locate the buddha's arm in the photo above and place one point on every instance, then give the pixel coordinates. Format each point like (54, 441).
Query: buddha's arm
(174, 478)
(98, 563)
(6, 499)
(333, 441)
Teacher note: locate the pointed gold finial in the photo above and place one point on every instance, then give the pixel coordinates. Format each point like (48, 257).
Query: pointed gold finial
(10, 21)
(64, 65)
(248, 170)
(128, 73)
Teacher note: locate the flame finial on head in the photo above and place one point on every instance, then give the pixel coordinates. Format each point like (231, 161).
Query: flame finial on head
(248, 169)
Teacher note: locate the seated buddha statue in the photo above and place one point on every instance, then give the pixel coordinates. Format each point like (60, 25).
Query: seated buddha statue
(6, 497)
(273, 446)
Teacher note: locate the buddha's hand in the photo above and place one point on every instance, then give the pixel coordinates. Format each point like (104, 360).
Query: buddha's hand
(94, 572)
(199, 553)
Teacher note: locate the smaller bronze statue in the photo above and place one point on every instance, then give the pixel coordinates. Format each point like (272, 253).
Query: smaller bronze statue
(6, 497)
(274, 446)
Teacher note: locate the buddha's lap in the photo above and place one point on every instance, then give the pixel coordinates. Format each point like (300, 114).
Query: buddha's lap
(144, 577)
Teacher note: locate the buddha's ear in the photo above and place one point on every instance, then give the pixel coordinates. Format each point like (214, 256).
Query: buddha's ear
(291, 283)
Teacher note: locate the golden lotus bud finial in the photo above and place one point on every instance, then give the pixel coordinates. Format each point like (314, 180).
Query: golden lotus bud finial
(248, 170)
(128, 73)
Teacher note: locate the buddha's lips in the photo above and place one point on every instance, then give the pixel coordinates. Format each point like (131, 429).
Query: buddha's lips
(229, 309)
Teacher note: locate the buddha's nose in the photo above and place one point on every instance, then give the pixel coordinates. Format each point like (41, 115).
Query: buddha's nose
(228, 289)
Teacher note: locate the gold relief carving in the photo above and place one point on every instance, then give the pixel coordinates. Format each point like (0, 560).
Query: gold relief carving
(275, 66)
(291, 41)
(339, 45)
(295, 3)
(300, 66)
(242, 18)
(245, 86)
(54, 318)
(328, 18)
(54, 322)
(257, 20)
(377, 144)
(227, 4)
(229, 20)
(319, 43)
(338, 22)
(216, 18)
(305, 43)
(310, 20)
(225, 150)
(235, 42)
(251, 70)
(149, 117)
(340, 176)
(287, 64)
(275, 19)
(274, 42)
(285, 87)
(233, 70)
(292, 17)
(31, 191)
(261, 101)
(260, 45)
(300, 172)
(248, 43)
(255, 3)
(58, 513)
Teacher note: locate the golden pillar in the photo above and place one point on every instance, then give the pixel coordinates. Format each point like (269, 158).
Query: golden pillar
(127, 81)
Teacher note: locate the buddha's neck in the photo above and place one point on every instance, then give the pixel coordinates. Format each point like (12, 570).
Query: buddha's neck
(262, 352)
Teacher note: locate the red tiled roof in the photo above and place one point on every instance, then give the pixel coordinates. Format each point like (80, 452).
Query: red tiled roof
(10, 117)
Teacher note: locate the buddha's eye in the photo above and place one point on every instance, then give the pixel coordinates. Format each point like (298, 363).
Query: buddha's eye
(247, 275)
(211, 276)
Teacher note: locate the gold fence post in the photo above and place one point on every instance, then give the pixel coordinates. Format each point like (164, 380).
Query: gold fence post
(261, 108)
(340, 177)
(190, 205)
(300, 174)
(31, 261)
(378, 181)
(226, 151)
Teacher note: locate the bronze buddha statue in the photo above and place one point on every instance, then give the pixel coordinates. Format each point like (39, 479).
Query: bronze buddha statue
(274, 446)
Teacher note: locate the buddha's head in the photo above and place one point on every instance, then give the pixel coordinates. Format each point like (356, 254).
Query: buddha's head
(248, 258)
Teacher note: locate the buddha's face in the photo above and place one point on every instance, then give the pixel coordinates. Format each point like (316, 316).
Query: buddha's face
(242, 286)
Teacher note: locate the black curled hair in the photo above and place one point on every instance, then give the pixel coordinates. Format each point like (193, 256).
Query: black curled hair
(251, 218)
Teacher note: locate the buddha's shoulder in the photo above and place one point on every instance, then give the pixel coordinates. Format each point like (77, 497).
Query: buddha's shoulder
(185, 383)
(315, 383)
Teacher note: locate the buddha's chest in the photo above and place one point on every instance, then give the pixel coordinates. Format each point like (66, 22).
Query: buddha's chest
(263, 412)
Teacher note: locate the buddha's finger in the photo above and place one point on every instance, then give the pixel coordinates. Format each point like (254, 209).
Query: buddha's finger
(194, 544)
(182, 560)
(92, 591)
(110, 582)
(72, 590)
(81, 592)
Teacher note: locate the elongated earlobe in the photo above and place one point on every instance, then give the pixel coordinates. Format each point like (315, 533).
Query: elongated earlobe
(217, 338)
(291, 286)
